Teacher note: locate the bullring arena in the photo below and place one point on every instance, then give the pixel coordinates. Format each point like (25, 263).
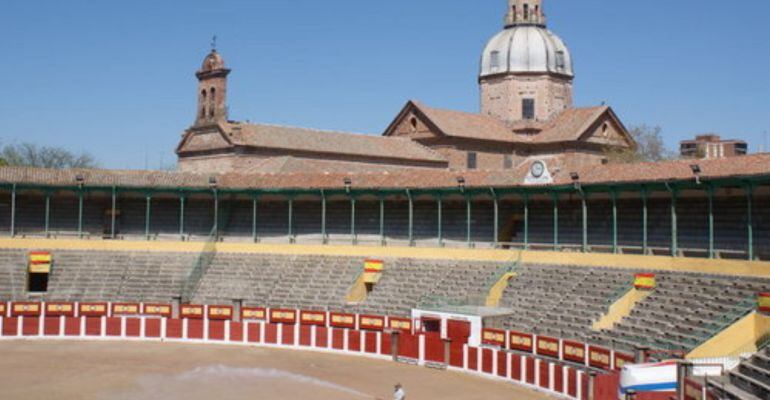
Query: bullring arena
(490, 255)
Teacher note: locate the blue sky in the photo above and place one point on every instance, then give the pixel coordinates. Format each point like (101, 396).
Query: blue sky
(115, 78)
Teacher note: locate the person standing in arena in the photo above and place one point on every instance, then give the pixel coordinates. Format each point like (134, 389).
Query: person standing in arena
(399, 393)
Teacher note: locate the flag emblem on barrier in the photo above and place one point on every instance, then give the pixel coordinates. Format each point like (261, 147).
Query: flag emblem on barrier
(645, 281)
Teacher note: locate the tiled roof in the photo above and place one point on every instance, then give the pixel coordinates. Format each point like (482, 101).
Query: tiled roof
(317, 141)
(746, 166)
(567, 126)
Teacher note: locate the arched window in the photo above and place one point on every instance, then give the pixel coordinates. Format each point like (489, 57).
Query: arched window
(526, 12)
(494, 60)
(203, 103)
(515, 17)
(537, 12)
(212, 101)
(413, 122)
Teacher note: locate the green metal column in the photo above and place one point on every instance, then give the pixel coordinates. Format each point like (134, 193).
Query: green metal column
(113, 210)
(645, 221)
(147, 218)
(584, 207)
(323, 217)
(13, 210)
(47, 213)
(750, 219)
(80, 212)
(674, 226)
(291, 220)
(555, 220)
(526, 221)
(382, 220)
(181, 216)
(440, 205)
(353, 220)
(468, 216)
(254, 231)
(496, 210)
(614, 222)
(712, 253)
(411, 217)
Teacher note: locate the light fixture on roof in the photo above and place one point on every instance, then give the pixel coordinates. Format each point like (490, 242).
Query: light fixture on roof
(696, 171)
(348, 183)
(79, 178)
(213, 182)
(575, 180)
(461, 183)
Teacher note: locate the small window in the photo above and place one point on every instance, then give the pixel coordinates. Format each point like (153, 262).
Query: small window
(494, 60)
(472, 160)
(413, 122)
(528, 108)
(526, 12)
(560, 63)
(515, 17)
(507, 161)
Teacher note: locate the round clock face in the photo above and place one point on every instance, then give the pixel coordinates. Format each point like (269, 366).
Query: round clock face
(538, 169)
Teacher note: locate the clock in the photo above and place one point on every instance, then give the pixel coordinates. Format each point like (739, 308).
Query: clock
(538, 169)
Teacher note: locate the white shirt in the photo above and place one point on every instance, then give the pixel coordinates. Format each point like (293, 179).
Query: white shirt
(399, 395)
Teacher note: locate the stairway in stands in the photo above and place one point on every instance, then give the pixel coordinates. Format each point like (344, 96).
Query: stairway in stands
(749, 381)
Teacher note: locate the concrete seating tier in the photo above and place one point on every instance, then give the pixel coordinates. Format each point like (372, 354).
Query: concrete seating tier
(749, 381)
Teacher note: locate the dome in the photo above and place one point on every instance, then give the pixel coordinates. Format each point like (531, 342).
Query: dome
(213, 62)
(526, 49)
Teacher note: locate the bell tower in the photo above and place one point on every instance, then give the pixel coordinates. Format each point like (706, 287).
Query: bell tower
(523, 12)
(212, 90)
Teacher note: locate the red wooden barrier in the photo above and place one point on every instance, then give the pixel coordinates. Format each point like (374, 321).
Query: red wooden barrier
(548, 346)
(51, 326)
(72, 326)
(386, 346)
(152, 327)
(545, 374)
(354, 340)
(287, 334)
(305, 335)
(30, 326)
(194, 328)
(94, 326)
(558, 378)
(487, 355)
(456, 358)
(25, 309)
(283, 316)
(92, 310)
(59, 309)
(473, 359)
(370, 342)
(114, 326)
(371, 322)
(174, 328)
(434, 348)
(573, 351)
(458, 331)
(599, 357)
(191, 311)
(10, 326)
(254, 332)
(317, 318)
(220, 312)
(338, 339)
(120, 309)
(157, 310)
(408, 346)
(606, 386)
(236, 331)
(216, 330)
(253, 313)
(342, 320)
(321, 337)
(502, 364)
(516, 367)
(572, 382)
(271, 333)
(530, 362)
(520, 341)
(493, 337)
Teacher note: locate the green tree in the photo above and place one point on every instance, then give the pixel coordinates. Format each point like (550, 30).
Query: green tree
(31, 155)
(650, 147)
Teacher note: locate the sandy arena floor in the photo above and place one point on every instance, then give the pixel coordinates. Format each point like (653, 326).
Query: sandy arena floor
(54, 370)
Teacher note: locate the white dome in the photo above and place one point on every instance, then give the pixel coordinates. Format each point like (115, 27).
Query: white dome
(526, 49)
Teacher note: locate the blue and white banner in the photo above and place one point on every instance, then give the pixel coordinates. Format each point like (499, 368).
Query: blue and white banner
(657, 377)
